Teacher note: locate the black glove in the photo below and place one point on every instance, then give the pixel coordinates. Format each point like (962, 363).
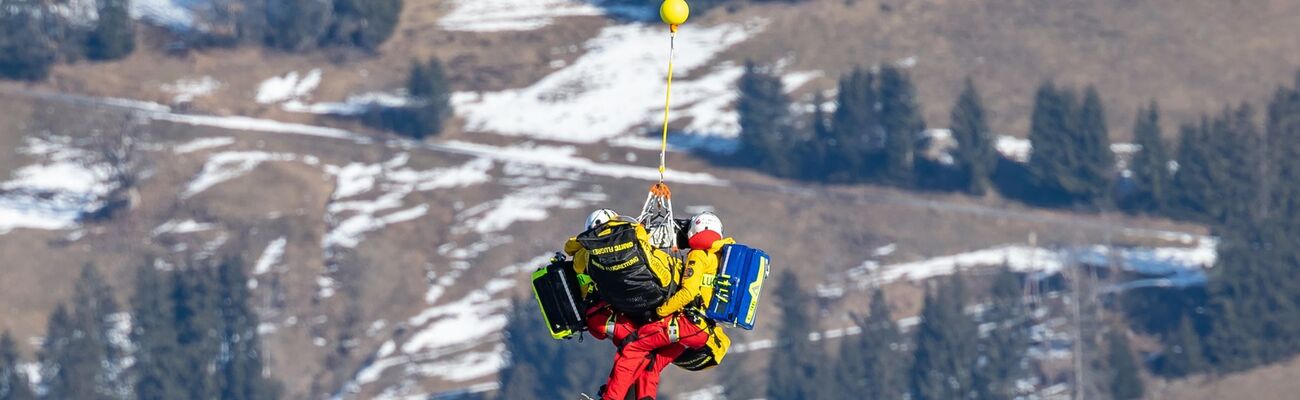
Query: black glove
(558, 257)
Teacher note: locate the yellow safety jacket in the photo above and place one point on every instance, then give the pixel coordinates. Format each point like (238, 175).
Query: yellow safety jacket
(696, 285)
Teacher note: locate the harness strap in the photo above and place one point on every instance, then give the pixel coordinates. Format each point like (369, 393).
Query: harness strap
(674, 332)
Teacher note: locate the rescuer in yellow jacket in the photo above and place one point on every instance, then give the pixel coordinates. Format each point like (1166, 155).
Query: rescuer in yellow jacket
(683, 327)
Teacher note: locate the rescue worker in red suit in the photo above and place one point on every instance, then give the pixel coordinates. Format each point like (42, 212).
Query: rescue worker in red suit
(653, 346)
(602, 321)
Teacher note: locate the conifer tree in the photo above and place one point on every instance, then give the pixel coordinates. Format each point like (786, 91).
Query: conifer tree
(198, 327)
(946, 342)
(534, 355)
(800, 374)
(158, 359)
(1193, 184)
(1281, 155)
(521, 378)
(114, 34)
(429, 108)
(297, 25)
(364, 23)
(1125, 381)
(1251, 313)
(1051, 128)
(436, 93)
(14, 384)
(900, 117)
(419, 82)
(1184, 354)
(765, 122)
(26, 51)
(856, 132)
(975, 155)
(1071, 160)
(69, 359)
(1150, 165)
(240, 366)
(869, 364)
(1008, 340)
(814, 149)
(95, 312)
(1093, 143)
(1238, 144)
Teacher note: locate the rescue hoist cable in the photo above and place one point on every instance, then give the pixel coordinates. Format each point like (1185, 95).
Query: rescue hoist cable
(657, 213)
(668, 99)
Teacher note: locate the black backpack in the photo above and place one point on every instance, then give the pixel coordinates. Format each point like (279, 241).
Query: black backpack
(619, 264)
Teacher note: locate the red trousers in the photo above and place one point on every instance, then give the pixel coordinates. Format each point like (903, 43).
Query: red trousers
(653, 348)
(603, 323)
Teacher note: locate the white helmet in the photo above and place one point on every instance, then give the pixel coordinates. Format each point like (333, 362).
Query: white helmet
(600, 217)
(705, 221)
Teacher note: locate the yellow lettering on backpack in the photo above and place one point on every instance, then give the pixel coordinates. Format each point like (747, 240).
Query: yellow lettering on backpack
(611, 249)
(620, 266)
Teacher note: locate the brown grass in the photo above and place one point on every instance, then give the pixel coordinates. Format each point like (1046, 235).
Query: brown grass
(1192, 56)
(1275, 382)
(1132, 50)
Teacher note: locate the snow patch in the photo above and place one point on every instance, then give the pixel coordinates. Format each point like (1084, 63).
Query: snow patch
(203, 144)
(288, 87)
(82, 13)
(354, 105)
(141, 105)
(1014, 148)
(465, 366)
(167, 13)
(565, 158)
(186, 226)
(355, 178)
(186, 90)
(272, 255)
(357, 217)
(53, 193)
(617, 86)
(1169, 266)
(225, 166)
(254, 124)
(325, 287)
(511, 15)
(527, 204)
(473, 318)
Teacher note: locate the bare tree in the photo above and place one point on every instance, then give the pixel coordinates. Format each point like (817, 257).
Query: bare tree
(115, 150)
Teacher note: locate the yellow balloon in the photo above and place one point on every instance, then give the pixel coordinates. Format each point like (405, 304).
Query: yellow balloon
(674, 12)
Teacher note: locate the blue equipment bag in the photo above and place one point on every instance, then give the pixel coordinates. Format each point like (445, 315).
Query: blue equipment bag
(739, 282)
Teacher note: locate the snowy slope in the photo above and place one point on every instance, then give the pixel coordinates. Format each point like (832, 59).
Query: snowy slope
(1168, 266)
(175, 14)
(511, 15)
(617, 85)
(53, 193)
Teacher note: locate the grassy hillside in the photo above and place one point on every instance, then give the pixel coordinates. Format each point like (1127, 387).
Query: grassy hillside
(1189, 54)
(1192, 56)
